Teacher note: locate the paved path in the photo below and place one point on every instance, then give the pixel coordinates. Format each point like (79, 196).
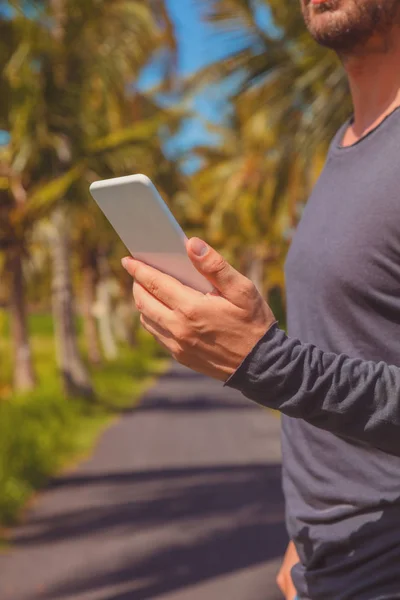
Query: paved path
(180, 501)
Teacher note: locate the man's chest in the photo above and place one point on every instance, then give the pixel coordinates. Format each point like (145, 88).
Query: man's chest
(348, 241)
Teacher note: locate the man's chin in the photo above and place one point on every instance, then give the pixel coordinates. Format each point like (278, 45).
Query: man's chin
(324, 30)
(330, 28)
(323, 20)
(346, 25)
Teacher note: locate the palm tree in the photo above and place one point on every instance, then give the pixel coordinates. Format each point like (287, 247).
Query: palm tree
(96, 80)
(24, 376)
(289, 97)
(22, 202)
(78, 122)
(237, 193)
(302, 85)
(20, 211)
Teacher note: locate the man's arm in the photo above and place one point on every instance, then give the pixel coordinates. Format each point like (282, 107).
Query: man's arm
(222, 335)
(350, 397)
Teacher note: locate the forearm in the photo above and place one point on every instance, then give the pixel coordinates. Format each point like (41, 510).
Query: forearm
(349, 397)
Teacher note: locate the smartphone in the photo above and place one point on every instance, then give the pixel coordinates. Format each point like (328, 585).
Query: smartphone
(147, 227)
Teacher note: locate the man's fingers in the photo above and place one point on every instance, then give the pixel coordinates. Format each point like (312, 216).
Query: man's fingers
(163, 287)
(231, 284)
(150, 306)
(162, 336)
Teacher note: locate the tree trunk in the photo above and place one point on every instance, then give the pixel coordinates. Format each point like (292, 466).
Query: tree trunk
(104, 309)
(24, 374)
(76, 380)
(89, 280)
(124, 323)
(128, 314)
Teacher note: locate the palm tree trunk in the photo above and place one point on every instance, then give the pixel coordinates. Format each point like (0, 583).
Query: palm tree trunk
(89, 278)
(129, 313)
(76, 380)
(124, 323)
(24, 374)
(104, 309)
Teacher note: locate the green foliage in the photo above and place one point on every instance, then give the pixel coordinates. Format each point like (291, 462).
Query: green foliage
(67, 102)
(42, 431)
(288, 98)
(139, 133)
(40, 325)
(69, 106)
(36, 435)
(45, 196)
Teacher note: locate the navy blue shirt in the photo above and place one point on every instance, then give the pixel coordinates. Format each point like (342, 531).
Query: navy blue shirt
(336, 376)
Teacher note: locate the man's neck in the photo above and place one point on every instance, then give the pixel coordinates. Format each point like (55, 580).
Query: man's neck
(374, 78)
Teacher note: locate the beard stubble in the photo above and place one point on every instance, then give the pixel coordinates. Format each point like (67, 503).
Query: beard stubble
(345, 25)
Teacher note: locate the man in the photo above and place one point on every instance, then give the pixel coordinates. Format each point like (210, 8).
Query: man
(337, 378)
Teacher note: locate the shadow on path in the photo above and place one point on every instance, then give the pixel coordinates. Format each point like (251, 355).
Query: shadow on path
(236, 514)
(183, 491)
(183, 391)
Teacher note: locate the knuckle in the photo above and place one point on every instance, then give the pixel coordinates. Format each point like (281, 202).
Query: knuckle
(249, 289)
(190, 312)
(218, 265)
(181, 334)
(153, 286)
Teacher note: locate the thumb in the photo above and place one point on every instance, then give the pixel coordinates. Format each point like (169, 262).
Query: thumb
(231, 284)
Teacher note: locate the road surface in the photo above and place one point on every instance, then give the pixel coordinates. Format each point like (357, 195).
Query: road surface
(181, 500)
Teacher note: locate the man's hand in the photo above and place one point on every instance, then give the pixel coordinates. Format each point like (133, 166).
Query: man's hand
(210, 333)
(284, 578)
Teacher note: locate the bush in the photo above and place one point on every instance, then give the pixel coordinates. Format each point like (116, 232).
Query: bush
(36, 435)
(41, 431)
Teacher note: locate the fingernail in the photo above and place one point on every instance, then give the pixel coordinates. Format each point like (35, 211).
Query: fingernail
(125, 262)
(198, 247)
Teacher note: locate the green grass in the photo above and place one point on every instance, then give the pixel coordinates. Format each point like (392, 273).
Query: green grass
(43, 432)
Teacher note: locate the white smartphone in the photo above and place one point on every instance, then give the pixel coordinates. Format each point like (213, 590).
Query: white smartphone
(147, 227)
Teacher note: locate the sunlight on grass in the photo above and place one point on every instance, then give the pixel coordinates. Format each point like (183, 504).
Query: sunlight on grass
(43, 432)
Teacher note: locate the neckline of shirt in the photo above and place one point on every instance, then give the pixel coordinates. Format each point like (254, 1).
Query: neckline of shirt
(337, 142)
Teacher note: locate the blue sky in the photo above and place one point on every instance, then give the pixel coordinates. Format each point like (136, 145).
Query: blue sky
(198, 45)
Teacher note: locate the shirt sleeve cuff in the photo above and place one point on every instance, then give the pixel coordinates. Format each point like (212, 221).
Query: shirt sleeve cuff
(247, 370)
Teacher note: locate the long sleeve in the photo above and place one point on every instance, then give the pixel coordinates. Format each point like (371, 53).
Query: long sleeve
(349, 397)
